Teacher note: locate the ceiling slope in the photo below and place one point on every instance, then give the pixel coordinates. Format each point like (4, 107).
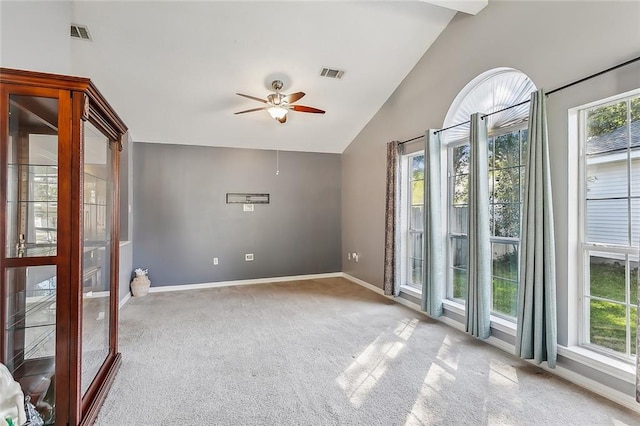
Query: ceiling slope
(171, 69)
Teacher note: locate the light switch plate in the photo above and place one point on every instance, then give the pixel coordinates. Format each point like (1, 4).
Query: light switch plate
(247, 207)
(248, 257)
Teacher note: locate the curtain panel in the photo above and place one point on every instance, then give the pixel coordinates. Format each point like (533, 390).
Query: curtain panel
(434, 263)
(392, 211)
(536, 336)
(478, 307)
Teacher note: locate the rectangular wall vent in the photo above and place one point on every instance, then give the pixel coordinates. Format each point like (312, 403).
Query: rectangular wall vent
(331, 73)
(80, 31)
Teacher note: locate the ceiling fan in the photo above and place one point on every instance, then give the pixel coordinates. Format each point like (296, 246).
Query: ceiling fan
(278, 104)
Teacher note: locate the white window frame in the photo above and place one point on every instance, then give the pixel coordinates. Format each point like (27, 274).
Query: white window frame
(628, 253)
(405, 231)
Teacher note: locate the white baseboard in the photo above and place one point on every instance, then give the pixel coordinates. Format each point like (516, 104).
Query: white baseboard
(200, 286)
(595, 387)
(571, 376)
(124, 300)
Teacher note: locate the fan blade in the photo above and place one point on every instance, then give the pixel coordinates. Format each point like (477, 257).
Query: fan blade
(250, 110)
(302, 108)
(294, 97)
(252, 97)
(283, 119)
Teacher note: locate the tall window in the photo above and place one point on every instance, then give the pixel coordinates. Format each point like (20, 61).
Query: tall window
(413, 220)
(458, 219)
(610, 153)
(506, 160)
(506, 178)
(491, 93)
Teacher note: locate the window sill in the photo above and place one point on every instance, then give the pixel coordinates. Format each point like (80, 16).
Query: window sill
(411, 291)
(608, 365)
(497, 323)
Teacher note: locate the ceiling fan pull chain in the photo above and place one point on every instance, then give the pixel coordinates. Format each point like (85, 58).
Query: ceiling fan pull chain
(277, 162)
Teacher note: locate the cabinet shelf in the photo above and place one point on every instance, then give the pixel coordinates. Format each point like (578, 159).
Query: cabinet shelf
(35, 309)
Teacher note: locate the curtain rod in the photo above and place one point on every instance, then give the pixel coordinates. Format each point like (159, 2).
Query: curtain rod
(566, 86)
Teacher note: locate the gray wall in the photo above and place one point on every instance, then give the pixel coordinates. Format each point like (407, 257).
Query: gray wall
(181, 220)
(126, 269)
(554, 43)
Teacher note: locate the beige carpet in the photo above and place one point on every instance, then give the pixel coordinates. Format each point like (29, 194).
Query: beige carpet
(323, 352)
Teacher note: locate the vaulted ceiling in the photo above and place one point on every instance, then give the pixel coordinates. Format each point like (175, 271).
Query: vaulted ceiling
(171, 69)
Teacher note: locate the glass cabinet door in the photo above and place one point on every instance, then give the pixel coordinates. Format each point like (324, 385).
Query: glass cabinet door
(97, 257)
(32, 177)
(30, 294)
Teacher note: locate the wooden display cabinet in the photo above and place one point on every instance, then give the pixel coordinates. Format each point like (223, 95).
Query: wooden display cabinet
(59, 157)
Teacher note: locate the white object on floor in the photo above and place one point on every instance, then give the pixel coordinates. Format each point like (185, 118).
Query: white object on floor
(11, 399)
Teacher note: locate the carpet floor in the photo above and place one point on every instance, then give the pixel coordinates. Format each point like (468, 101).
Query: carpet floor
(323, 352)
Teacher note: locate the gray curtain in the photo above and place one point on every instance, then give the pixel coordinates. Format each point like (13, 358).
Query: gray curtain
(433, 282)
(391, 285)
(536, 336)
(478, 309)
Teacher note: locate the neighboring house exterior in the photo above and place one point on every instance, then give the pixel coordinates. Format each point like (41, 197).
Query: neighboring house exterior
(607, 176)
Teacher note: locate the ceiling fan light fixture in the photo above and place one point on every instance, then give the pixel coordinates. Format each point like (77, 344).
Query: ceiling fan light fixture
(277, 112)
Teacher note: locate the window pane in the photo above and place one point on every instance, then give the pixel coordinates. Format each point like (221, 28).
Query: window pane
(505, 261)
(633, 265)
(603, 125)
(416, 272)
(461, 190)
(635, 169)
(491, 187)
(607, 179)
(607, 221)
(459, 220)
(459, 271)
(506, 185)
(459, 284)
(461, 160)
(607, 277)
(417, 192)
(505, 296)
(507, 220)
(635, 222)
(507, 150)
(524, 150)
(634, 320)
(608, 325)
(417, 167)
(416, 220)
(415, 245)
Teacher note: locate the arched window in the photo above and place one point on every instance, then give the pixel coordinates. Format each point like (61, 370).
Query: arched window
(490, 92)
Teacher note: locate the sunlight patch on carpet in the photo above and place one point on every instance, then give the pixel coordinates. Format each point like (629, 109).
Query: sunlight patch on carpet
(425, 409)
(362, 375)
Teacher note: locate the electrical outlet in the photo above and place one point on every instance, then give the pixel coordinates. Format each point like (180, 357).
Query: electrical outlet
(248, 257)
(215, 260)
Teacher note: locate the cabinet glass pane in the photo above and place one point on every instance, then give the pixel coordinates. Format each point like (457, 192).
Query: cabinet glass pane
(30, 345)
(96, 263)
(32, 177)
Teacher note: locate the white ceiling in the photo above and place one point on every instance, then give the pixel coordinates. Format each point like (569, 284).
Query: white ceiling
(171, 69)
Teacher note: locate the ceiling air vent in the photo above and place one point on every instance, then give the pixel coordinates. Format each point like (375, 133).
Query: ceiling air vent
(331, 73)
(80, 31)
